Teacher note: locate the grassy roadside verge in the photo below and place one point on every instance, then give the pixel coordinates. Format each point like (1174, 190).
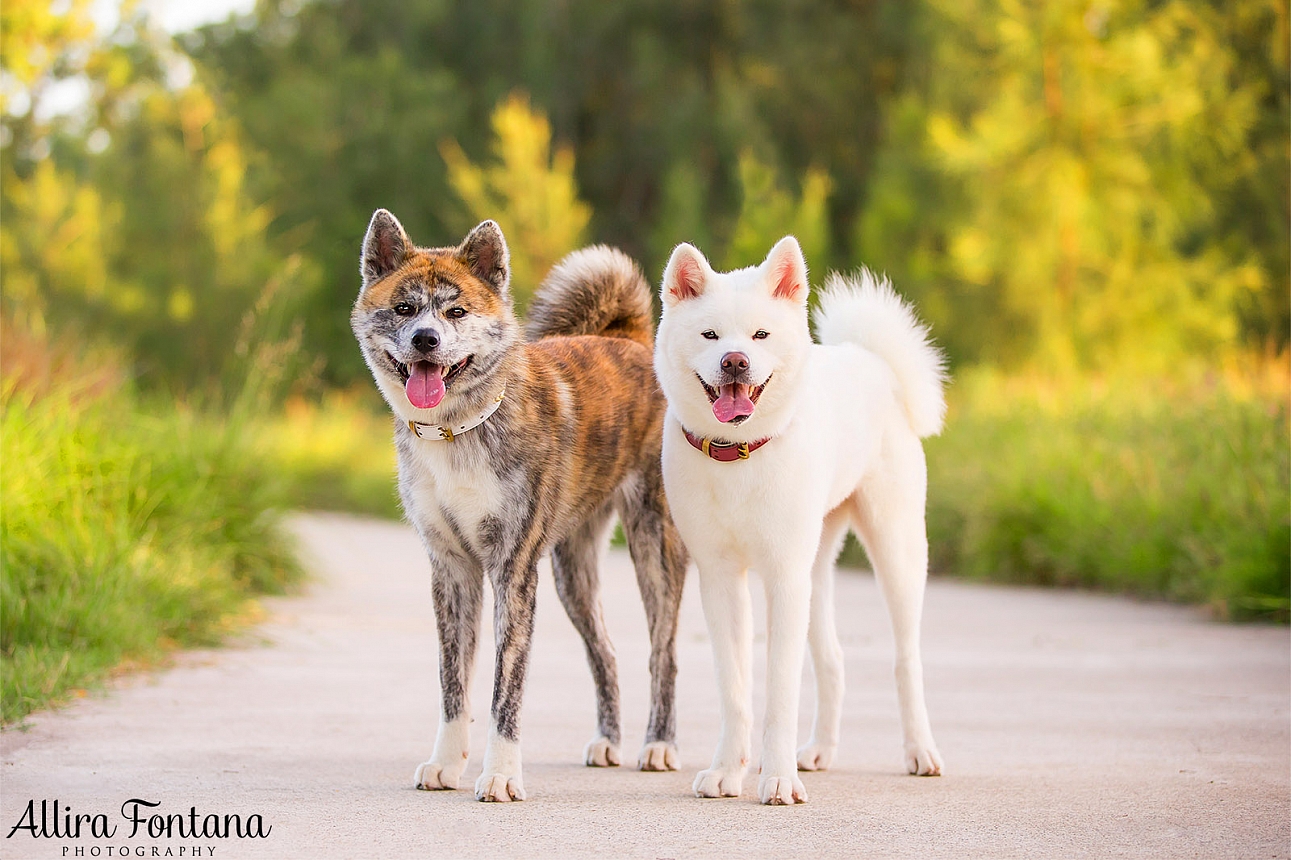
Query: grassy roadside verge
(1173, 491)
(126, 529)
(1168, 490)
(131, 527)
(335, 454)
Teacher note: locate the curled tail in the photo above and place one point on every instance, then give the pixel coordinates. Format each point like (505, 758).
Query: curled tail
(865, 310)
(596, 290)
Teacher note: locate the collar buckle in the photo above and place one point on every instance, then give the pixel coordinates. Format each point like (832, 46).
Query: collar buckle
(445, 433)
(723, 452)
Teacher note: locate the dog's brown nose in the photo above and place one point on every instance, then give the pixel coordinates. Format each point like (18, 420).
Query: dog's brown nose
(735, 363)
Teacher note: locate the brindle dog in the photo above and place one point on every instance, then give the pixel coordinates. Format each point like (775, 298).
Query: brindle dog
(511, 448)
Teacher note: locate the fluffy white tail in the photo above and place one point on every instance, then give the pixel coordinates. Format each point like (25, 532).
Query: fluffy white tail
(865, 310)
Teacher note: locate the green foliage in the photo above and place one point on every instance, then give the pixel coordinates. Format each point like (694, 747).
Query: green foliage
(768, 212)
(1174, 491)
(1060, 186)
(335, 454)
(1071, 188)
(126, 527)
(37, 41)
(530, 191)
(349, 100)
(139, 225)
(1086, 160)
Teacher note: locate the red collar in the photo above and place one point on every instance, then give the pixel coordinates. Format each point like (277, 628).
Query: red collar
(724, 452)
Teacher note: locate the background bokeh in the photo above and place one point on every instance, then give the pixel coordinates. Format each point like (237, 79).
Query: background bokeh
(1088, 200)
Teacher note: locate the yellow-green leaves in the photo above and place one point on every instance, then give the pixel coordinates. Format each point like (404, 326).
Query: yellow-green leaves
(529, 190)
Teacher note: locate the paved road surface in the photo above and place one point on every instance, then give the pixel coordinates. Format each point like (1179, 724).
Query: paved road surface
(1072, 725)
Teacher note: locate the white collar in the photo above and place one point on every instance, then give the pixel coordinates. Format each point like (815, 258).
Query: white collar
(444, 433)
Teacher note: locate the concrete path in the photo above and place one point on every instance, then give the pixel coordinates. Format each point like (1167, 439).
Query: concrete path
(1072, 725)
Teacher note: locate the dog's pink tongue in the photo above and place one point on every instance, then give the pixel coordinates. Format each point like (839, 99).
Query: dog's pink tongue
(425, 386)
(732, 402)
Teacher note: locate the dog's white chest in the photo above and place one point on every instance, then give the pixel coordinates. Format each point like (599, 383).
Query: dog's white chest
(452, 495)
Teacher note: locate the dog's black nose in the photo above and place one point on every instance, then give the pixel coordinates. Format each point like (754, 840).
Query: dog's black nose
(735, 363)
(425, 340)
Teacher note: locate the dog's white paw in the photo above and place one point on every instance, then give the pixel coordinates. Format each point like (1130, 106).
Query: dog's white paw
(781, 790)
(816, 756)
(719, 783)
(433, 776)
(659, 755)
(923, 759)
(498, 788)
(601, 753)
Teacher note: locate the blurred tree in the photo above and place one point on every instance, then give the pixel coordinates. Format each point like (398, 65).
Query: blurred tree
(1081, 158)
(1070, 184)
(530, 191)
(55, 243)
(350, 98)
(129, 218)
(769, 212)
(348, 105)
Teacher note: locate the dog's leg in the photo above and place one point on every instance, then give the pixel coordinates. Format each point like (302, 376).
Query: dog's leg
(724, 591)
(515, 588)
(826, 653)
(898, 548)
(660, 562)
(458, 595)
(788, 591)
(574, 562)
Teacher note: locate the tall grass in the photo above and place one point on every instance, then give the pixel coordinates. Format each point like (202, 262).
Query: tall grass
(335, 453)
(1175, 490)
(1181, 491)
(127, 527)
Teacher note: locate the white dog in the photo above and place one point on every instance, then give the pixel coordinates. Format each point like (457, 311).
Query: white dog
(772, 447)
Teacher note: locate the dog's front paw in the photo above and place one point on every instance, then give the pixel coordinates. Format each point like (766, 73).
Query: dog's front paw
(498, 788)
(716, 782)
(659, 755)
(433, 776)
(781, 790)
(923, 759)
(601, 753)
(816, 756)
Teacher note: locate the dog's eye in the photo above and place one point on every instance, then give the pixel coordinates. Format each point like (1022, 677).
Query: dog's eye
(761, 334)
(455, 313)
(710, 334)
(404, 309)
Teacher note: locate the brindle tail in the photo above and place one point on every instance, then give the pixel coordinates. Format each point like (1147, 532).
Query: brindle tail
(596, 290)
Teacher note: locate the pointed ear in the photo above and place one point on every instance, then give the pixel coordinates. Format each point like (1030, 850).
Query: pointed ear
(486, 255)
(385, 247)
(685, 276)
(787, 271)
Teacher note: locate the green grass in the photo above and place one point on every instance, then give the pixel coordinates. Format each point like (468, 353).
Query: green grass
(1170, 490)
(335, 455)
(1175, 491)
(126, 529)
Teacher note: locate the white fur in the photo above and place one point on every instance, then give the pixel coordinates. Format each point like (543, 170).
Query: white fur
(601, 752)
(866, 311)
(501, 780)
(845, 420)
(448, 761)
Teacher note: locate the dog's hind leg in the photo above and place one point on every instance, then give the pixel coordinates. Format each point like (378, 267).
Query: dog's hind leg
(826, 652)
(574, 562)
(458, 593)
(891, 525)
(659, 558)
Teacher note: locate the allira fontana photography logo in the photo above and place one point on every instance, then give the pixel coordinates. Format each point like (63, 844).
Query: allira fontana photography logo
(139, 820)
